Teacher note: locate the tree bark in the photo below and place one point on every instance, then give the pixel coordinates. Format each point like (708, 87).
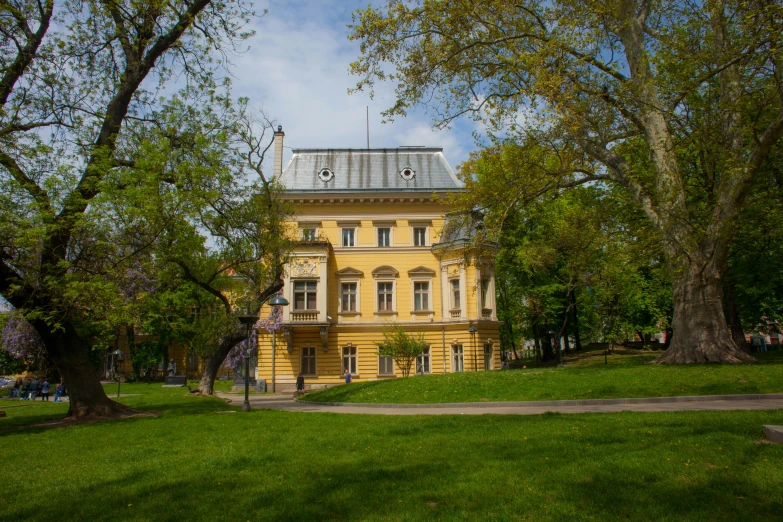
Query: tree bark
(577, 340)
(699, 330)
(735, 324)
(70, 356)
(206, 385)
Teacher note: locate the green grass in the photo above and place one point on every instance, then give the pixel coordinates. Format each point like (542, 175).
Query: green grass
(585, 377)
(191, 464)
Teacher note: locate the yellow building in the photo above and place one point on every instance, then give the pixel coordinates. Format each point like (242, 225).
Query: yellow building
(370, 252)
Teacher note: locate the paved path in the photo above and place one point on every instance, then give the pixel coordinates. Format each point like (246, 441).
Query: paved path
(285, 402)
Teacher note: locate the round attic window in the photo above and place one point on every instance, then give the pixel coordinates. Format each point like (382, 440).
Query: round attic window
(325, 174)
(407, 173)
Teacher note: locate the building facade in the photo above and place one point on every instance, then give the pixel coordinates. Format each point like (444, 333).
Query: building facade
(371, 251)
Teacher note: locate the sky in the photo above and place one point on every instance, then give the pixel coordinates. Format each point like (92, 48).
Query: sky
(296, 68)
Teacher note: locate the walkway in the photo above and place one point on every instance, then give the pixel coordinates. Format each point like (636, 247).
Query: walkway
(285, 402)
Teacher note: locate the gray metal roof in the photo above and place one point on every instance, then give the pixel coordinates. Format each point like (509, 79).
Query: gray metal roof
(368, 170)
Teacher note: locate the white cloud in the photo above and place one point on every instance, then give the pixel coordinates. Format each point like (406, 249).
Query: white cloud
(297, 69)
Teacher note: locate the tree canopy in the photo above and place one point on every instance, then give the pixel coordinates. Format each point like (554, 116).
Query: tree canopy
(678, 104)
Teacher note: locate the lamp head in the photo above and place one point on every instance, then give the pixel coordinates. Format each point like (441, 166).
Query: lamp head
(278, 300)
(472, 329)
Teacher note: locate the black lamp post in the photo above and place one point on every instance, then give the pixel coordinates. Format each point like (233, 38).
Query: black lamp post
(117, 365)
(249, 320)
(473, 330)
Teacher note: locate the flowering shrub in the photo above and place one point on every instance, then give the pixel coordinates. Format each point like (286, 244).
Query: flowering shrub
(19, 338)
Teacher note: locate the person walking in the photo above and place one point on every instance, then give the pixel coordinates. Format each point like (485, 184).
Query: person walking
(45, 390)
(58, 392)
(34, 387)
(26, 390)
(300, 382)
(347, 376)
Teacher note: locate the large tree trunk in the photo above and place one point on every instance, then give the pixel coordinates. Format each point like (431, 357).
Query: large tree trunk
(206, 385)
(577, 340)
(70, 356)
(735, 324)
(699, 329)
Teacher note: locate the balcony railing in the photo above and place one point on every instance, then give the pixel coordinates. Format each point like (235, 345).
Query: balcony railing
(455, 314)
(304, 316)
(486, 313)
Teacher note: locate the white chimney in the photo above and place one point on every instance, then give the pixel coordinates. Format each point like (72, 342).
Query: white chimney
(279, 135)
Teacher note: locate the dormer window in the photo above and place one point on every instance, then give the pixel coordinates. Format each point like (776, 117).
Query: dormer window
(325, 174)
(407, 173)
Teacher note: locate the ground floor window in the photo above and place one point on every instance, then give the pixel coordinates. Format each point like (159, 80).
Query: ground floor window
(423, 362)
(192, 362)
(308, 361)
(349, 360)
(458, 358)
(385, 365)
(488, 364)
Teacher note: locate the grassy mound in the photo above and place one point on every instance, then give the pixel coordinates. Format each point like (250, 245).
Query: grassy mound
(586, 376)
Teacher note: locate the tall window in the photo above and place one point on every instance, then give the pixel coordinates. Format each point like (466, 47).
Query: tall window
(308, 361)
(484, 293)
(384, 237)
(454, 283)
(349, 237)
(423, 362)
(385, 365)
(192, 362)
(349, 359)
(385, 292)
(488, 357)
(421, 293)
(419, 237)
(348, 300)
(304, 295)
(458, 358)
(308, 234)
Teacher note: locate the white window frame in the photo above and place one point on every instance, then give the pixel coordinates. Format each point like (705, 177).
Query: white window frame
(389, 361)
(354, 356)
(378, 236)
(452, 304)
(345, 229)
(294, 291)
(393, 284)
(414, 282)
(313, 354)
(428, 354)
(457, 350)
(491, 354)
(356, 296)
(426, 228)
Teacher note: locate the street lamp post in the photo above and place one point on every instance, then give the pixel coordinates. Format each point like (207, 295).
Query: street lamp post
(249, 320)
(473, 330)
(278, 300)
(117, 365)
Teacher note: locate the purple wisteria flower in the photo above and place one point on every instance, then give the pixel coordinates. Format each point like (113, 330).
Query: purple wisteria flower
(19, 338)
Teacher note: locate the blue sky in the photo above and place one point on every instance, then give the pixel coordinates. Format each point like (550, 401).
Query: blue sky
(297, 70)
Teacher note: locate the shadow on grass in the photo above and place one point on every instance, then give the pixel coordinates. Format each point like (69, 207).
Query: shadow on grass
(317, 468)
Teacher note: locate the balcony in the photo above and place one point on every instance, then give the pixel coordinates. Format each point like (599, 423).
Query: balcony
(455, 314)
(486, 313)
(304, 316)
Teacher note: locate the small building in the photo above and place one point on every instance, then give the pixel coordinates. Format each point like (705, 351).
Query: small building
(372, 251)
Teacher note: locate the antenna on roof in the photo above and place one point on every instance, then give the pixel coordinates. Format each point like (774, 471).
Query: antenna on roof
(368, 126)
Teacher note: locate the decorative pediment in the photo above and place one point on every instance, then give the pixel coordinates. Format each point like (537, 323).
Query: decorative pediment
(421, 271)
(385, 271)
(350, 272)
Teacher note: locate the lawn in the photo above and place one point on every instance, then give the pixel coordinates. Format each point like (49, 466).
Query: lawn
(190, 463)
(585, 377)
